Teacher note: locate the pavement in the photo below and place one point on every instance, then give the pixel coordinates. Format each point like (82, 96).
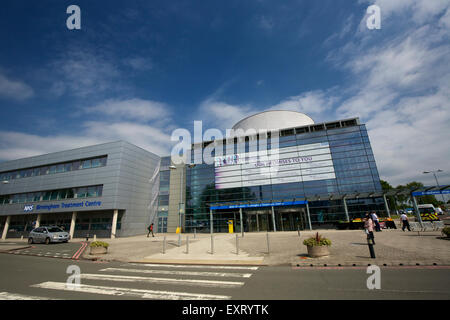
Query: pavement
(349, 248)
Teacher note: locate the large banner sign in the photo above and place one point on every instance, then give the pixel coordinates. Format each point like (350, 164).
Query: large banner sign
(291, 164)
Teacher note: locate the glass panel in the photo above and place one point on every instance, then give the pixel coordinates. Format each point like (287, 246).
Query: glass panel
(81, 192)
(103, 161)
(62, 194)
(36, 172)
(54, 195)
(60, 168)
(70, 193)
(37, 196)
(46, 195)
(68, 167)
(76, 165)
(86, 164)
(52, 169)
(44, 171)
(92, 192)
(96, 163)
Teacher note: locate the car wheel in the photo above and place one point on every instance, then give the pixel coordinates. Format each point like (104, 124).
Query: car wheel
(30, 241)
(47, 240)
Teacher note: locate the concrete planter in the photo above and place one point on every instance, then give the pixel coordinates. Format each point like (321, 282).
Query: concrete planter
(318, 251)
(98, 250)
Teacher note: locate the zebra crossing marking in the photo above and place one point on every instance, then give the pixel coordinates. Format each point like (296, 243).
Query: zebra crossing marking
(181, 273)
(141, 293)
(17, 296)
(192, 266)
(191, 282)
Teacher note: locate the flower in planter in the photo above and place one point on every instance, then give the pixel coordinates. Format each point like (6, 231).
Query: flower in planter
(96, 244)
(317, 240)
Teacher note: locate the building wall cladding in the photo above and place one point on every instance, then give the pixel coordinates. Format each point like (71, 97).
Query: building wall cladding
(124, 179)
(354, 167)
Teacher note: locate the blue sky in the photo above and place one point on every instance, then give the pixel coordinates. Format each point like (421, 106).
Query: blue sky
(137, 70)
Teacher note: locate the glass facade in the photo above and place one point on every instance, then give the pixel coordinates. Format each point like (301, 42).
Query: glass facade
(60, 194)
(54, 168)
(163, 198)
(335, 161)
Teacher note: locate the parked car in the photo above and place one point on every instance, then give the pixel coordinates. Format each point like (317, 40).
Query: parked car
(47, 235)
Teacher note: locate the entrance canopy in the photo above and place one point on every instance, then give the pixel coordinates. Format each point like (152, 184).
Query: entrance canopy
(234, 205)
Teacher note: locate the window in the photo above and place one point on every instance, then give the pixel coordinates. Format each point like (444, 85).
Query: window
(103, 161)
(70, 193)
(52, 169)
(44, 170)
(96, 163)
(68, 167)
(81, 193)
(86, 164)
(92, 192)
(76, 165)
(54, 195)
(37, 196)
(36, 172)
(62, 194)
(46, 195)
(60, 168)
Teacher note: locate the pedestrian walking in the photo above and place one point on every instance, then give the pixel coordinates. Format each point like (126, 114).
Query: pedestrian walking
(150, 230)
(405, 222)
(375, 220)
(368, 226)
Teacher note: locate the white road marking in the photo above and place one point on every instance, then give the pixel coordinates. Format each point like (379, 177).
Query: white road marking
(191, 266)
(16, 296)
(183, 273)
(145, 294)
(202, 283)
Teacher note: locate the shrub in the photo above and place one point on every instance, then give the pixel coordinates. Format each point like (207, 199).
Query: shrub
(317, 240)
(99, 244)
(446, 231)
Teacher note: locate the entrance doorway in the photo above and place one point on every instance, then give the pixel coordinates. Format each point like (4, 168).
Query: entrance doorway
(259, 220)
(291, 219)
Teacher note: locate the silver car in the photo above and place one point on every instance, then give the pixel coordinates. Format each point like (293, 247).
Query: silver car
(47, 235)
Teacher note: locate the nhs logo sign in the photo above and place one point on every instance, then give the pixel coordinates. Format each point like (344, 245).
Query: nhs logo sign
(28, 208)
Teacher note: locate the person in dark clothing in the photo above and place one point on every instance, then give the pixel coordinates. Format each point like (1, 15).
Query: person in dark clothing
(405, 222)
(150, 230)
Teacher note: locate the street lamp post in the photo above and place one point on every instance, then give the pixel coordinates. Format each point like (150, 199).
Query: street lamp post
(437, 182)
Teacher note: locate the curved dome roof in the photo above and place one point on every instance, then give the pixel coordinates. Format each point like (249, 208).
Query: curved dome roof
(274, 119)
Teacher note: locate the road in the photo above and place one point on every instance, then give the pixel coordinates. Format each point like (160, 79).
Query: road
(33, 277)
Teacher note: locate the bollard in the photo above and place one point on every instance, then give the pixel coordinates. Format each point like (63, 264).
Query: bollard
(179, 240)
(268, 247)
(237, 244)
(298, 230)
(370, 244)
(164, 245)
(212, 244)
(187, 244)
(95, 237)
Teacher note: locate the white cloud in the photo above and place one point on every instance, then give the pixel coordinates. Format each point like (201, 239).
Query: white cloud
(311, 102)
(401, 89)
(222, 115)
(83, 72)
(133, 109)
(139, 63)
(16, 145)
(14, 89)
